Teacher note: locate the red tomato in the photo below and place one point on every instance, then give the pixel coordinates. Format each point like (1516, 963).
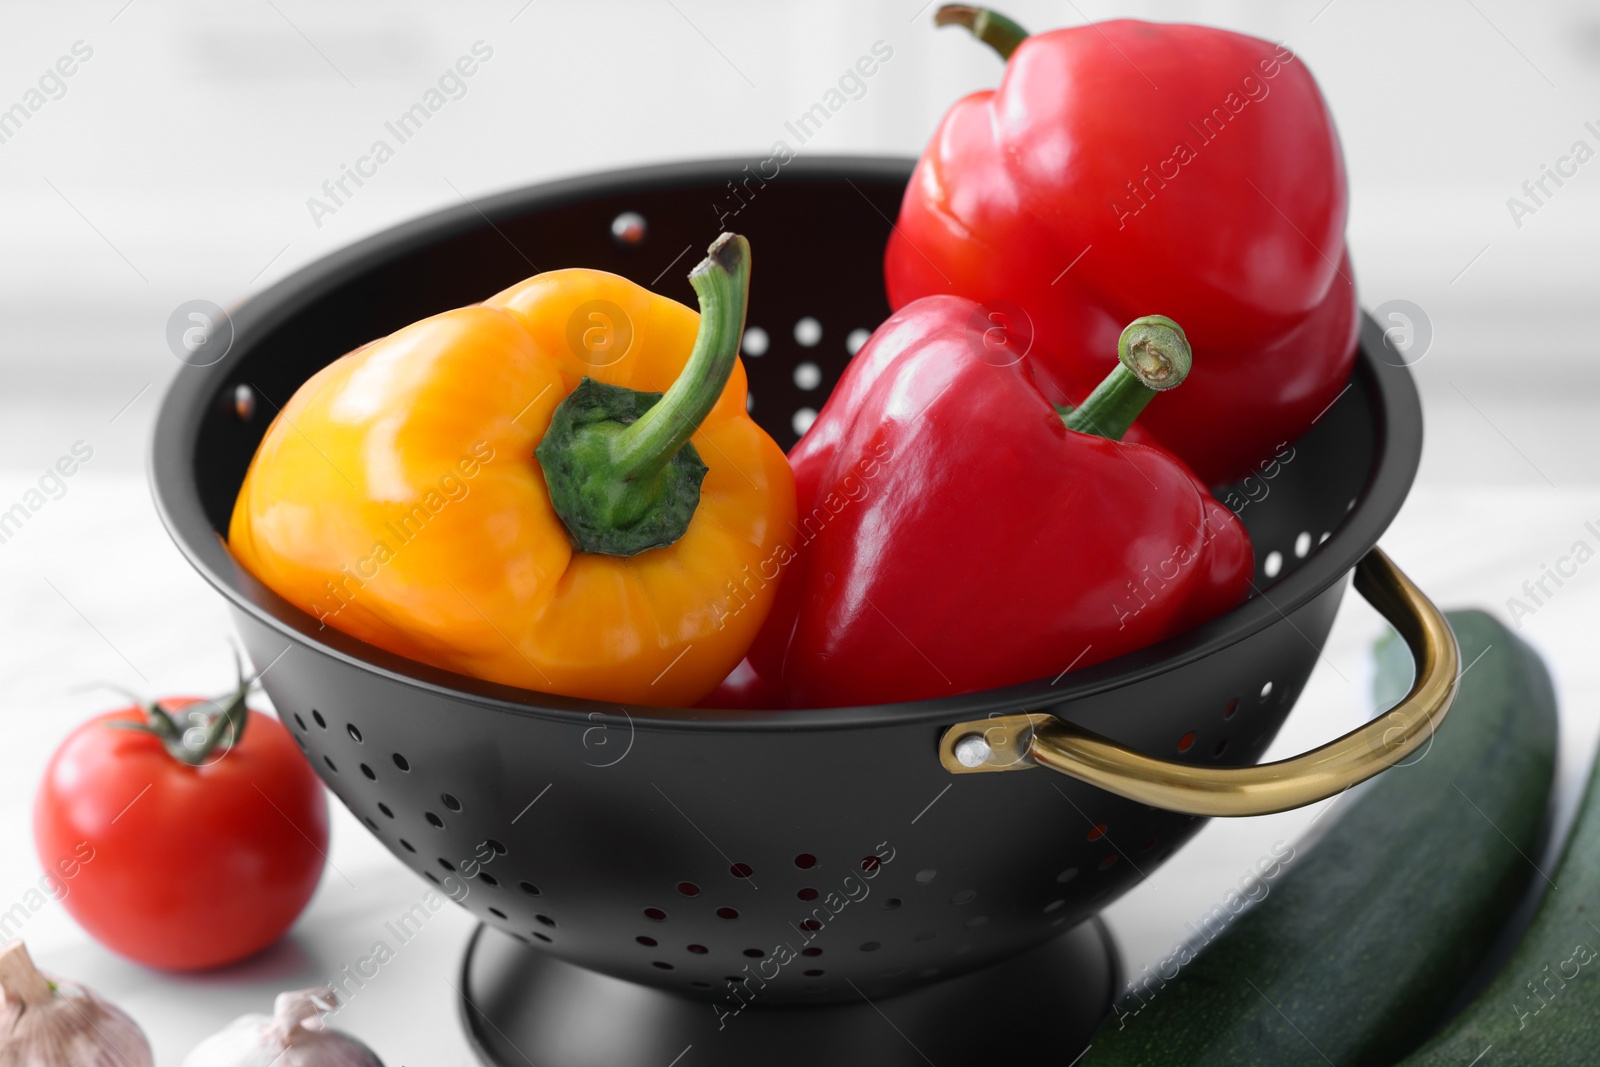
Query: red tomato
(177, 866)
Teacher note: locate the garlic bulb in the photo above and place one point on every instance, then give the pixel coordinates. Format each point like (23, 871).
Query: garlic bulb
(46, 1025)
(292, 1037)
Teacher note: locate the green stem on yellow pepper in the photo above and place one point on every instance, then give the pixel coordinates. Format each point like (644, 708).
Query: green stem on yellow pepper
(621, 470)
(1153, 356)
(722, 281)
(990, 27)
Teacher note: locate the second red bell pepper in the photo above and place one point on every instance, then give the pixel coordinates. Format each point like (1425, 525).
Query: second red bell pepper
(1126, 165)
(957, 532)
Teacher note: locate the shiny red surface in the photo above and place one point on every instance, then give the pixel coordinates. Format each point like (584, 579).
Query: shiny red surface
(1128, 168)
(956, 536)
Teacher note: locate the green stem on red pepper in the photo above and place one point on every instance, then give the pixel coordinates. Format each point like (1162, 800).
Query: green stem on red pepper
(621, 471)
(1153, 355)
(990, 27)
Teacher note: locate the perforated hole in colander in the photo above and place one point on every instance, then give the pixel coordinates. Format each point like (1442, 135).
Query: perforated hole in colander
(808, 332)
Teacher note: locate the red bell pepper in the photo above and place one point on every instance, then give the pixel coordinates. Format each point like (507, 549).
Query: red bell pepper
(957, 532)
(1125, 165)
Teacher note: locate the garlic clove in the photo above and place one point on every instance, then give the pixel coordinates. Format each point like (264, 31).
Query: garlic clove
(295, 1035)
(43, 1024)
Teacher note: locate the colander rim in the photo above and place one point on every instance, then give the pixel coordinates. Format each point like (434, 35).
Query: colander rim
(171, 458)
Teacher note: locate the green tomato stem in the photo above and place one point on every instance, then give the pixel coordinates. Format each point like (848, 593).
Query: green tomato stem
(222, 724)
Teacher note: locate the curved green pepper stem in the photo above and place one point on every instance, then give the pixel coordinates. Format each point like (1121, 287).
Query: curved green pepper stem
(622, 474)
(990, 27)
(1154, 355)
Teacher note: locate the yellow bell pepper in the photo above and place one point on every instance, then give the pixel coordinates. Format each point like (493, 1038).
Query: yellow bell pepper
(502, 491)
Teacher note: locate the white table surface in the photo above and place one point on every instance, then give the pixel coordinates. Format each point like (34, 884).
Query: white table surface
(156, 627)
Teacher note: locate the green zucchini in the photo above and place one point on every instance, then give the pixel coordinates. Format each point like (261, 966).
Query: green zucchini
(1544, 1006)
(1356, 950)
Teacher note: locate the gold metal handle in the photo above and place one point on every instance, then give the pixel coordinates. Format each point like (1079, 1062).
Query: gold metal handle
(1022, 742)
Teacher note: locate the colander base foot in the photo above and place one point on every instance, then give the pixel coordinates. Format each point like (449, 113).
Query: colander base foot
(521, 1006)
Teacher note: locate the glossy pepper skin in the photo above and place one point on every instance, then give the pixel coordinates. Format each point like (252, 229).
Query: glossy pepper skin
(1126, 165)
(398, 498)
(957, 536)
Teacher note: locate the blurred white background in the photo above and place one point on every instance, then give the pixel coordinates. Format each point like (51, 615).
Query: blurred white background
(177, 164)
(179, 161)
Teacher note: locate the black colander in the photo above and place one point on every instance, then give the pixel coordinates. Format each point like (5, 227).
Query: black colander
(640, 871)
